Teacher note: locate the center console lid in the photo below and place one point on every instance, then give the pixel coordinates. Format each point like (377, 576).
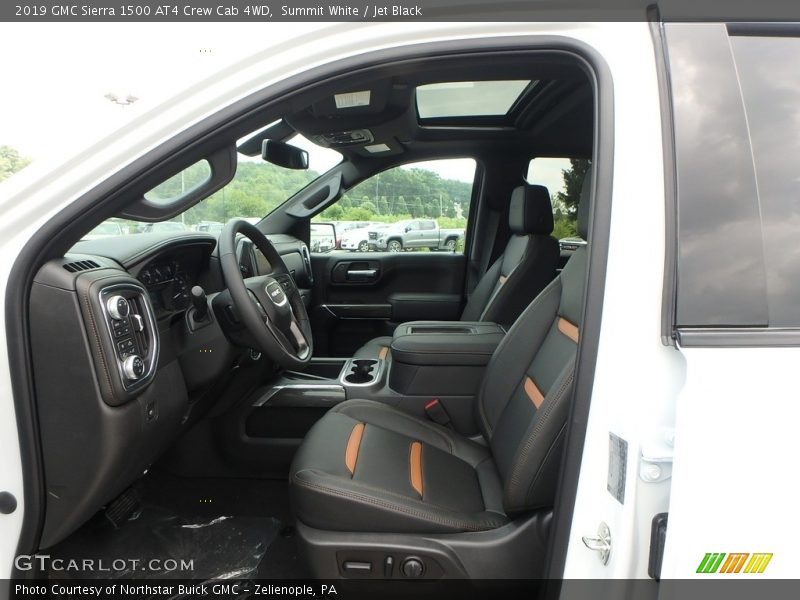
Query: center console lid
(451, 343)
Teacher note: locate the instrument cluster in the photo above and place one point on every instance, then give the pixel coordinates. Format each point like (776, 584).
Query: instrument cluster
(168, 283)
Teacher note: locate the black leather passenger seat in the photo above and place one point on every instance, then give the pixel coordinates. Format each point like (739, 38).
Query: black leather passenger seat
(369, 467)
(526, 266)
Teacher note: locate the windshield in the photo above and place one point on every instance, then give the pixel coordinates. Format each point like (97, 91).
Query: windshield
(257, 189)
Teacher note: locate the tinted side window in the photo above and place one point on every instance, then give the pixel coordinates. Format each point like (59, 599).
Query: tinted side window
(736, 103)
(563, 178)
(376, 214)
(720, 262)
(769, 77)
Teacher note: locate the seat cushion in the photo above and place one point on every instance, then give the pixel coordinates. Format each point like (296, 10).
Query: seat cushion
(366, 466)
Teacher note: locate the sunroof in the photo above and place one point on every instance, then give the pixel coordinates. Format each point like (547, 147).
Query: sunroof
(468, 98)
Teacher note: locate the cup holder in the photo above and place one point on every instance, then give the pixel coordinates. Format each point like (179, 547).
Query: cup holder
(361, 371)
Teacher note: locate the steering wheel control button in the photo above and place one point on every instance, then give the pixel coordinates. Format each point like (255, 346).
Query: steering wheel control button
(117, 307)
(133, 367)
(275, 293)
(412, 568)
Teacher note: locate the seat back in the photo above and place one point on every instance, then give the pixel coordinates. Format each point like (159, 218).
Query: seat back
(524, 400)
(527, 264)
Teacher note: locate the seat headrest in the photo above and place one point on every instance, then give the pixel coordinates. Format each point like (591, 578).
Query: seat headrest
(585, 205)
(530, 211)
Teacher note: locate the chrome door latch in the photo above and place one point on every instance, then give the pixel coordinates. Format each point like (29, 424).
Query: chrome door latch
(600, 543)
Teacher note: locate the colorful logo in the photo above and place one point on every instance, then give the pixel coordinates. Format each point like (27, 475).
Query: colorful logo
(719, 562)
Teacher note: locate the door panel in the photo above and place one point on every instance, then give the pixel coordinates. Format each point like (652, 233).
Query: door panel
(356, 300)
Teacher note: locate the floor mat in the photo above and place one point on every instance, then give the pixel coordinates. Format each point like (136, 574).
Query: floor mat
(191, 529)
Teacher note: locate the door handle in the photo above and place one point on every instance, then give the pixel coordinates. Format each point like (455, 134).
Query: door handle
(362, 274)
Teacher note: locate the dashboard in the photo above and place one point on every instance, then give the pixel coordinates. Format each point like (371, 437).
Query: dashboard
(168, 285)
(170, 276)
(140, 368)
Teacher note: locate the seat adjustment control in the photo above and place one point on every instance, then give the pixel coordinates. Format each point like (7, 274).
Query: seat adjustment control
(357, 566)
(388, 566)
(412, 567)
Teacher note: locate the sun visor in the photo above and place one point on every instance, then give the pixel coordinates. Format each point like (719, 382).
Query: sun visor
(368, 99)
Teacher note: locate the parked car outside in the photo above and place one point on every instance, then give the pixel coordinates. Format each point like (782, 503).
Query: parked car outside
(163, 227)
(357, 239)
(106, 229)
(322, 237)
(571, 244)
(209, 226)
(344, 226)
(416, 233)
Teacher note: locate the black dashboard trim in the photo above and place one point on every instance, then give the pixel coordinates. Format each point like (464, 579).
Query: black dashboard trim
(140, 252)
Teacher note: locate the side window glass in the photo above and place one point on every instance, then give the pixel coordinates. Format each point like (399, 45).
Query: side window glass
(417, 207)
(563, 178)
(768, 70)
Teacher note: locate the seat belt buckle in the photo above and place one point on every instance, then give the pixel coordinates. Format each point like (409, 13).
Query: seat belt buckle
(437, 413)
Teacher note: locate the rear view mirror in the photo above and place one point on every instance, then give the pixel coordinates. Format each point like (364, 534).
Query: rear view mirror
(284, 155)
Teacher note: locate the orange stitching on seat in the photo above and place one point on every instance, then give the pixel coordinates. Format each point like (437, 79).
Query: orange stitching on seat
(568, 329)
(534, 393)
(353, 445)
(415, 467)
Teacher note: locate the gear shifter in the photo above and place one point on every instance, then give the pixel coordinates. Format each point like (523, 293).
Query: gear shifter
(200, 303)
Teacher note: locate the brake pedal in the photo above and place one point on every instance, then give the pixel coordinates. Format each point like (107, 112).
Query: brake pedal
(122, 507)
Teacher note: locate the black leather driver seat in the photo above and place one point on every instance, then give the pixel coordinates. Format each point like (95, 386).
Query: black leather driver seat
(527, 264)
(369, 467)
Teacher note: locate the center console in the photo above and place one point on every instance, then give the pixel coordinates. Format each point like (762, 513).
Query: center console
(443, 360)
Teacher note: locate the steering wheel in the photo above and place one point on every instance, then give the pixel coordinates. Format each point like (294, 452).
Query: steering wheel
(270, 307)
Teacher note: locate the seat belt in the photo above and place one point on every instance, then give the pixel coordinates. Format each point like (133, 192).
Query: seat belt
(488, 255)
(437, 413)
(493, 224)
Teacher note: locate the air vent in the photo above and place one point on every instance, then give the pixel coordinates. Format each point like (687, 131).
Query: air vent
(81, 265)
